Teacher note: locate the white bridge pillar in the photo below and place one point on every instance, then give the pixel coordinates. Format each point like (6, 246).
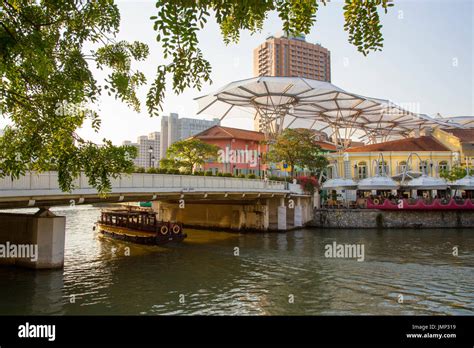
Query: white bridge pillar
(282, 215)
(316, 200)
(32, 241)
(266, 215)
(298, 218)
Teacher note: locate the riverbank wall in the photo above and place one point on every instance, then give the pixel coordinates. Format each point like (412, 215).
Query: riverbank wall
(374, 218)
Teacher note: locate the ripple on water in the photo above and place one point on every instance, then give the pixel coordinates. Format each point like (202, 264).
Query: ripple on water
(271, 269)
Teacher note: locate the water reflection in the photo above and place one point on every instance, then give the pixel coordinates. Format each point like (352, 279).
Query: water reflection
(203, 276)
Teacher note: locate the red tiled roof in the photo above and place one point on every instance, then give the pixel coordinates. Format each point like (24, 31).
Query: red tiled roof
(465, 135)
(237, 133)
(356, 143)
(326, 146)
(230, 133)
(424, 143)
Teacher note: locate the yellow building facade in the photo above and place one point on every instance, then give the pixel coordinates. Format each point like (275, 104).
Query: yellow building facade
(429, 155)
(460, 141)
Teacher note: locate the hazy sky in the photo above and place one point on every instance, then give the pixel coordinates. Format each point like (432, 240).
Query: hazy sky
(426, 62)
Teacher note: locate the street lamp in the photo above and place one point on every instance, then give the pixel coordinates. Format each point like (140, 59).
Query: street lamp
(150, 151)
(259, 172)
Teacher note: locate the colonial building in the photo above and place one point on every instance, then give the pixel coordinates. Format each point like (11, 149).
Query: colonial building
(360, 162)
(240, 150)
(460, 141)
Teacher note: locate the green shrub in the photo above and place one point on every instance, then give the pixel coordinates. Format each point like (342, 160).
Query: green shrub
(151, 170)
(219, 174)
(242, 176)
(251, 176)
(208, 173)
(199, 173)
(161, 170)
(227, 175)
(278, 178)
(139, 170)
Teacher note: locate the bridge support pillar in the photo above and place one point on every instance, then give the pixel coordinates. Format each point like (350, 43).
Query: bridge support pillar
(298, 218)
(32, 241)
(238, 218)
(317, 200)
(282, 215)
(266, 215)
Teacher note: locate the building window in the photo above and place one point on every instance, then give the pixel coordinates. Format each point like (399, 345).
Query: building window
(329, 173)
(361, 170)
(383, 168)
(402, 166)
(423, 166)
(443, 166)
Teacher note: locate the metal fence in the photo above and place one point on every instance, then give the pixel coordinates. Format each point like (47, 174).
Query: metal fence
(48, 181)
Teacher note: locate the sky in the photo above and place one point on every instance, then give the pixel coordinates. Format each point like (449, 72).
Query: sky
(426, 64)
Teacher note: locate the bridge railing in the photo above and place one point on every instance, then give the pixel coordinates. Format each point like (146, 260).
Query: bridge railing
(49, 181)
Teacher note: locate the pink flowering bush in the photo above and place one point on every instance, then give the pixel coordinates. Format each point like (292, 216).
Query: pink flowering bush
(308, 183)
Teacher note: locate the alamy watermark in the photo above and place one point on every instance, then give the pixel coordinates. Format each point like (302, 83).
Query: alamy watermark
(20, 251)
(239, 156)
(37, 331)
(64, 108)
(345, 251)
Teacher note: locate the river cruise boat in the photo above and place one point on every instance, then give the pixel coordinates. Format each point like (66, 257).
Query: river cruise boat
(138, 226)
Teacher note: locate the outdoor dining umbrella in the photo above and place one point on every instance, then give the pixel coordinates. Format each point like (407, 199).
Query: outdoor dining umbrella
(466, 183)
(339, 183)
(377, 182)
(426, 182)
(410, 174)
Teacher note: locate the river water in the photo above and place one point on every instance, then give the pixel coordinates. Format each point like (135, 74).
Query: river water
(221, 273)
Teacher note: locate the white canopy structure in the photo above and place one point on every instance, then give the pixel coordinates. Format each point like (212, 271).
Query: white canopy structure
(280, 102)
(458, 121)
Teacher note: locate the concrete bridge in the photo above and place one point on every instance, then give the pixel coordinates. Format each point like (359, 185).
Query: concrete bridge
(201, 201)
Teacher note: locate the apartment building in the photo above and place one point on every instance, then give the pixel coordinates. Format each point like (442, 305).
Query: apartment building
(148, 147)
(174, 129)
(286, 55)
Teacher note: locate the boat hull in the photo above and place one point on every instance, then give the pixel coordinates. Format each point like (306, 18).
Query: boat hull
(138, 237)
